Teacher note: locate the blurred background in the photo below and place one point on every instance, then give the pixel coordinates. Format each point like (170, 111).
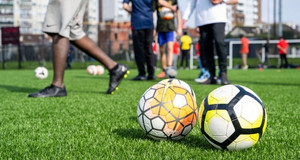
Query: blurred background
(108, 24)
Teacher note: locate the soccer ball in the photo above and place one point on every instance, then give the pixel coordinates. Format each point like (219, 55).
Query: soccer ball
(167, 111)
(41, 73)
(171, 72)
(178, 82)
(232, 117)
(100, 70)
(92, 70)
(166, 13)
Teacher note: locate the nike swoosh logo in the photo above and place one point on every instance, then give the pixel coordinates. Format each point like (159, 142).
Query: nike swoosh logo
(49, 25)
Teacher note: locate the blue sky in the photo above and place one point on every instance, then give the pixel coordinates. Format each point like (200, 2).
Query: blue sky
(290, 12)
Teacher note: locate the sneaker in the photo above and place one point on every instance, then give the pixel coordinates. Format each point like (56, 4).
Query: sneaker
(151, 77)
(171, 72)
(139, 78)
(161, 75)
(116, 76)
(50, 91)
(224, 79)
(210, 80)
(204, 76)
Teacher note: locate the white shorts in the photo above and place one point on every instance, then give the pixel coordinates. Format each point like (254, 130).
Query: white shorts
(65, 17)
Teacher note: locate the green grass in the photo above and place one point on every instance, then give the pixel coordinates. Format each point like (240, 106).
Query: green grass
(87, 124)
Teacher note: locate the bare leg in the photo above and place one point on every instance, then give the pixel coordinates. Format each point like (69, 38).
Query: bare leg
(88, 46)
(170, 53)
(60, 48)
(244, 58)
(163, 58)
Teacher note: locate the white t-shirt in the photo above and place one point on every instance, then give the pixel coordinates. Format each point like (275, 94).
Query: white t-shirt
(206, 12)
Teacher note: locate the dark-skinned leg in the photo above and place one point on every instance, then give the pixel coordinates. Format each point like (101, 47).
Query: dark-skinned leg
(89, 47)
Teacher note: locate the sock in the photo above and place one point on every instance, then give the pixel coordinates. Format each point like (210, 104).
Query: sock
(114, 68)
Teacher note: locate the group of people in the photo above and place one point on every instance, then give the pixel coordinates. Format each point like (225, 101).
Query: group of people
(282, 47)
(64, 24)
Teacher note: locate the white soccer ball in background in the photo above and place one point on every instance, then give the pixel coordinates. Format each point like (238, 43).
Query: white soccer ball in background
(100, 70)
(92, 70)
(95, 70)
(41, 72)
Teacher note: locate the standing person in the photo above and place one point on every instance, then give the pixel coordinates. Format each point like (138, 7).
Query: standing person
(211, 18)
(186, 42)
(165, 29)
(266, 60)
(175, 53)
(142, 34)
(244, 50)
(63, 22)
(282, 46)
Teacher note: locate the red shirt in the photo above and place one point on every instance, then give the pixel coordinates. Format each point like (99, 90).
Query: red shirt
(282, 46)
(245, 45)
(154, 48)
(176, 48)
(198, 49)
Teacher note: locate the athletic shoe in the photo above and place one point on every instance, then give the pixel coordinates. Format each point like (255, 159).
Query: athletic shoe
(139, 78)
(204, 76)
(161, 75)
(50, 91)
(224, 79)
(151, 77)
(210, 80)
(116, 76)
(171, 72)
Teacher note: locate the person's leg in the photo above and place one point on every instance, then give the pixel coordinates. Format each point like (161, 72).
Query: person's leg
(90, 47)
(150, 57)
(60, 48)
(244, 60)
(117, 72)
(182, 58)
(281, 60)
(286, 61)
(206, 41)
(218, 30)
(170, 53)
(187, 58)
(138, 37)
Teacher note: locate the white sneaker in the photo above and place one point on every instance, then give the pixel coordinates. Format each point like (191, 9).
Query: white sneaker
(203, 77)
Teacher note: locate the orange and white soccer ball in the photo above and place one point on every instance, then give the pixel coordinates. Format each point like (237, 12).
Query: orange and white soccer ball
(41, 72)
(95, 70)
(166, 13)
(232, 117)
(167, 111)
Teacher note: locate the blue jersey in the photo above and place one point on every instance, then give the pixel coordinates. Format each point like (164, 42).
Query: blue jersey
(141, 14)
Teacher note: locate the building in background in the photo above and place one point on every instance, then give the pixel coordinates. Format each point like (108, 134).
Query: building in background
(112, 10)
(6, 13)
(245, 13)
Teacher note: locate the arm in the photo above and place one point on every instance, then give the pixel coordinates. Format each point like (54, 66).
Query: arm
(188, 11)
(231, 2)
(127, 7)
(179, 23)
(228, 2)
(166, 4)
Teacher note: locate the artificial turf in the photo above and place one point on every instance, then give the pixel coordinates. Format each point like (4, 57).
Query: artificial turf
(88, 124)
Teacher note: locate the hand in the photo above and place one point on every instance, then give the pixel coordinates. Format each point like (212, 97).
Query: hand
(174, 8)
(154, 32)
(179, 32)
(215, 2)
(183, 23)
(197, 30)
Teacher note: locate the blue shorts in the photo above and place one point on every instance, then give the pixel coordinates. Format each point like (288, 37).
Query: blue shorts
(164, 37)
